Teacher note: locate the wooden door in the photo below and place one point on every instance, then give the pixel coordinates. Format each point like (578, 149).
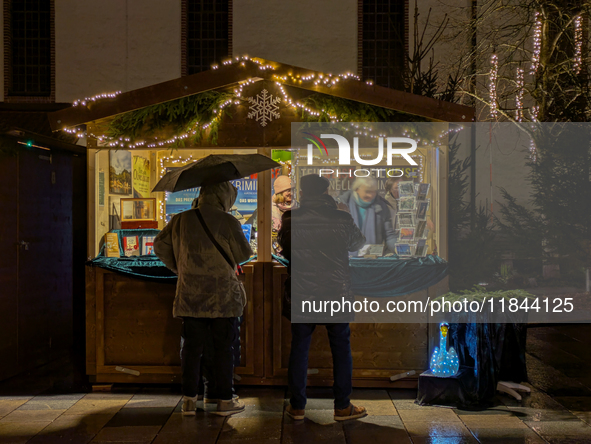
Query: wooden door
(8, 266)
(36, 240)
(44, 255)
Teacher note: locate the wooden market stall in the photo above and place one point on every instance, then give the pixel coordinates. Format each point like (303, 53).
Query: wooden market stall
(242, 105)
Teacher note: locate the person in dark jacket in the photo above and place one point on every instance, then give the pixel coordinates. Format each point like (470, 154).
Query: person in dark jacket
(316, 238)
(371, 212)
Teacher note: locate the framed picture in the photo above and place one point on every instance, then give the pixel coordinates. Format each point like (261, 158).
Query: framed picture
(138, 209)
(120, 172)
(423, 191)
(422, 208)
(406, 203)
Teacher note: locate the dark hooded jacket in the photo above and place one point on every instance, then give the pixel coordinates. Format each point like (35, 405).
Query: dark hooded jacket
(207, 286)
(316, 238)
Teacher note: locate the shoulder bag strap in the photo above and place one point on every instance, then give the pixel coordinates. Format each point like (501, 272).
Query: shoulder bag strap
(212, 239)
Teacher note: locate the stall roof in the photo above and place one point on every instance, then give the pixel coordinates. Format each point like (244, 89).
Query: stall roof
(240, 69)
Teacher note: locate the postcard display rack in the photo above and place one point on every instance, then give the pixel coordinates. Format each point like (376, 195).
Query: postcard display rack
(420, 216)
(412, 218)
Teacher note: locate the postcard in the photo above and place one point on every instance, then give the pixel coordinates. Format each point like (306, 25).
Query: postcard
(421, 230)
(423, 191)
(372, 250)
(407, 233)
(407, 203)
(131, 246)
(421, 251)
(406, 188)
(422, 208)
(148, 244)
(406, 219)
(404, 250)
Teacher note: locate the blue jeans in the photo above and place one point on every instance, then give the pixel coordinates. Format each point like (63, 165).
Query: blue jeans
(342, 362)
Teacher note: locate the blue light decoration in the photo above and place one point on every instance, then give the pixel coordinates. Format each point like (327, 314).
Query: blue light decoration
(444, 362)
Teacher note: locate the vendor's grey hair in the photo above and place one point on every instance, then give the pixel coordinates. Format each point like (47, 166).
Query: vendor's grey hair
(369, 182)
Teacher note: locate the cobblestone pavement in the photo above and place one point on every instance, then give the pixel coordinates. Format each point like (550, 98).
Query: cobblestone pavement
(50, 407)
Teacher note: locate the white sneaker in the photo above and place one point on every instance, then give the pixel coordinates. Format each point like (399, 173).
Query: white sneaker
(229, 407)
(189, 406)
(216, 400)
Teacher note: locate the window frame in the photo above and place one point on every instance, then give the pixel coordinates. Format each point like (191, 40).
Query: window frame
(360, 40)
(10, 97)
(185, 31)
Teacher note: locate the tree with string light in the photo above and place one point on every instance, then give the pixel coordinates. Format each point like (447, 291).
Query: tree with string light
(529, 63)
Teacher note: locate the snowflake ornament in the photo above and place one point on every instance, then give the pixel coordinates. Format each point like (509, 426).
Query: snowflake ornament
(264, 107)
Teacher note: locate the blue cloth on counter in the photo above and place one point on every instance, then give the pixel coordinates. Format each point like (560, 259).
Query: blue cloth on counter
(383, 277)
(393, 276)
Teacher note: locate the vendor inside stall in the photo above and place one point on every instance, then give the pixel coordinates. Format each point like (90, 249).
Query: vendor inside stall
(370, 212)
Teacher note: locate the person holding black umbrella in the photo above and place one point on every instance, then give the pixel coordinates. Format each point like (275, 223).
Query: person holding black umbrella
(204, 246)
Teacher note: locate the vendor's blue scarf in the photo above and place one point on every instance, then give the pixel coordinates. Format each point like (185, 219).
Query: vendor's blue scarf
(364, 215)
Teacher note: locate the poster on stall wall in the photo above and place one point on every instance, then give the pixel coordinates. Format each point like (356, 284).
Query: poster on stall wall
(246, 201)
(342, 178)
(101, 188)
(119, 172)
(244, 206)
(141, 177)
(179, 201)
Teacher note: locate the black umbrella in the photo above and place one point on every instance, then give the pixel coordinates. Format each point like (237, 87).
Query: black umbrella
(214, 168)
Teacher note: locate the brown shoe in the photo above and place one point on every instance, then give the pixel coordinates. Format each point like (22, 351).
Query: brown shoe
(294, 414)
(351, 412)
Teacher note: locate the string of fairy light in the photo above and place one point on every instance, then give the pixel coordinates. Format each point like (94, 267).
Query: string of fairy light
(534, 66)
(492, 85)
(519, 96)
(327, 80)
(537, 43)
(578, 60)
(86, 100)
